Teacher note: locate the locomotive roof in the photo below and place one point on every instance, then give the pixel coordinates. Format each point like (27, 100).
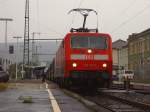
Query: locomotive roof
(87, 33)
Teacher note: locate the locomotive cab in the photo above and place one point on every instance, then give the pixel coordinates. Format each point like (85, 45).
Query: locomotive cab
(88, 57)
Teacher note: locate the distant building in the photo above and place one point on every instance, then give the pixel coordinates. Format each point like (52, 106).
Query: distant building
(139, 53)
(6, 59)
(42, 53)
(123, 57)
(115, 57)
(120, 55)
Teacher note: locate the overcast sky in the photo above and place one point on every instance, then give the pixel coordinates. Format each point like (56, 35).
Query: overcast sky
(119, 18)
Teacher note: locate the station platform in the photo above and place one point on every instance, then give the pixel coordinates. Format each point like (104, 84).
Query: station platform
(140, 86)
(65, 102)
(46, 97)
(112, 91)
(133, 83)
(11, 100)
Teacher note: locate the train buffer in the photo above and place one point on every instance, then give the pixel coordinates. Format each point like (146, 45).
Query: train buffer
(38, 97)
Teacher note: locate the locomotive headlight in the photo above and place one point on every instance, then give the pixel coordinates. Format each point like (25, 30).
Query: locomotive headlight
(89, 51)
(104, 65)
(74, 65)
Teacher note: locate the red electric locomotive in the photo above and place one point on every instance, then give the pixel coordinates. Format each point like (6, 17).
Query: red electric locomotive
(84, 58)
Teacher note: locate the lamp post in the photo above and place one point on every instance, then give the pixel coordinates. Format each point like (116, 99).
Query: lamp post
(17, 56)
(6, 24)
(33, 45)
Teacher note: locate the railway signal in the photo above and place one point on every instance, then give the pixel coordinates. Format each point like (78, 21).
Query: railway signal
(11, 49)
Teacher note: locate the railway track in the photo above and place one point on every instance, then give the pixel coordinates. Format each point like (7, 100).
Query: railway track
(137, 89)
(116, 105)
(119, 102)
(136, 86)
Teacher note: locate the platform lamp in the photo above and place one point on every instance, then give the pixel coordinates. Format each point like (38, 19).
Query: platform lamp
(16, 53)
(6, 20)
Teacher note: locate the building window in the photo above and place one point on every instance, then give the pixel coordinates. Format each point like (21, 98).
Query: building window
(0, 61)
(3, 61)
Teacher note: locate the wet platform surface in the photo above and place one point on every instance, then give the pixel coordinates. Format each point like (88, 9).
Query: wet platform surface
(10, 99)
(65, 102)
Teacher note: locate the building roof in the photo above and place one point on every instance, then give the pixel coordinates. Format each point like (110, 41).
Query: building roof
(119, 44)
(142, 34)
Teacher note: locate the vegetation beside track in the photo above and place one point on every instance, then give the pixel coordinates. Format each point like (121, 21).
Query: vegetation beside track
(142, 81)
(3, 86)
(26, 99)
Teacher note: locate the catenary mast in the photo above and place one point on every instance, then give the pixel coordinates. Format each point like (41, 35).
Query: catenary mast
(26, 53)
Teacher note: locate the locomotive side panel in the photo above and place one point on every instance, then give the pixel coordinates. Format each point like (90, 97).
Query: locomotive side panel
(59, 62)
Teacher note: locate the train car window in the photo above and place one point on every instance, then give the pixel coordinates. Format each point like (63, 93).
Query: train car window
(89, 42)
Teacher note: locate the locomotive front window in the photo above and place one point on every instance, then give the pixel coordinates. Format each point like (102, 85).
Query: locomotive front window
(98, 42)
(79, 42)
(89, 42)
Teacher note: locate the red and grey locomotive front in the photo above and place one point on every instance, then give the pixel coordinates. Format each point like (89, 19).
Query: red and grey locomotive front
(88, 57)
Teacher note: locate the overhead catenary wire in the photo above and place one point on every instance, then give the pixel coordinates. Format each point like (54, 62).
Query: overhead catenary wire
(128, 7)
(39, 24)
(38, 21)
(3, 1)
(49, 28)
(97, 18)
(72, 21)
(38, 15)
(53, 30)
(80, 3)
(74, 16)
(131, 18)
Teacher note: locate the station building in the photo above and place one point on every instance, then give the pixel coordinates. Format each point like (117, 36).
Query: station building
(139, 53)
(120, 56)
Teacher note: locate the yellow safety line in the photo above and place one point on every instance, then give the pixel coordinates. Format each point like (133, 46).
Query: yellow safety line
(54, 103)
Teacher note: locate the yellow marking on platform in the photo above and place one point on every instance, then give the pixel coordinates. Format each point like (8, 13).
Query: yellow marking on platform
(54, 103)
